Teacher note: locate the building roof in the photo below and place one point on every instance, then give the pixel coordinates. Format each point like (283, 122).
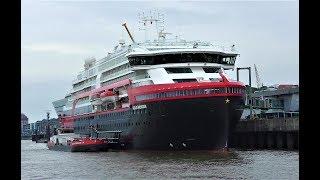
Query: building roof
(285, 91)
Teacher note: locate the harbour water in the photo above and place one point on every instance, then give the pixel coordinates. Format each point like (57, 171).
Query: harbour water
(37, 162)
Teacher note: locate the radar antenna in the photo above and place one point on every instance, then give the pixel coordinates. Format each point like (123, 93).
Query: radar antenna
(154, 18)
(163, 34)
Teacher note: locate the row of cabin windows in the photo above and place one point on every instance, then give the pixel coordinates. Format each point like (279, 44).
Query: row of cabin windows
(86, 73)
(183, 58)
(131, 112)
(188, 70)
(92, 79)
(184, 80)
(82, 91)
(104, 126)
(117, 79)
(114, 70)
(83, 99)
(111, 61)
(85, 118)
(82, 110)
(191, 92)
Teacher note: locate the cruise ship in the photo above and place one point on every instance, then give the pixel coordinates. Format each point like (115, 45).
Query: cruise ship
(158, 94)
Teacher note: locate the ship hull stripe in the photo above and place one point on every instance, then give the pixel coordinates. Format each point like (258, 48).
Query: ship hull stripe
(187, 86)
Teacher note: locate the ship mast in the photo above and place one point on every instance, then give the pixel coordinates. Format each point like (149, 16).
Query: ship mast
(155, 20)
(125, 26)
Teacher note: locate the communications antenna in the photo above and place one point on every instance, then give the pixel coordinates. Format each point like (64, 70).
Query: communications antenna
(48, 114)
(258, 80)
(150, 21)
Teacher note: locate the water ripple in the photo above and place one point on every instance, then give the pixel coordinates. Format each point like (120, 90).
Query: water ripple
(37, 162)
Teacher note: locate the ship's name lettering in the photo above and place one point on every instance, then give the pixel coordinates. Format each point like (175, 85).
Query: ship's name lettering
(139, 107)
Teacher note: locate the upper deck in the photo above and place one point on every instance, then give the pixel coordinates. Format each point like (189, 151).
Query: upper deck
(153, 48)
(175, 45)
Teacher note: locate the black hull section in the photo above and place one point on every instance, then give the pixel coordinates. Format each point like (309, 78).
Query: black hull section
(202, 123)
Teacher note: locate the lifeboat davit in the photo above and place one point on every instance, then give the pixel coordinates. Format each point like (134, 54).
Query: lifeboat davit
(95, 99)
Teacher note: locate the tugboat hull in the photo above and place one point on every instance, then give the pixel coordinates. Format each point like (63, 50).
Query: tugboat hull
(82, 145)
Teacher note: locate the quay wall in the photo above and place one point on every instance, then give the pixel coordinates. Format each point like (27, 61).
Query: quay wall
(275, 133)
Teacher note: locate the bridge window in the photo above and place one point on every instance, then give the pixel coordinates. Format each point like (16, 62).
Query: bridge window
(178, 70)
(211, 70)
(183, 58)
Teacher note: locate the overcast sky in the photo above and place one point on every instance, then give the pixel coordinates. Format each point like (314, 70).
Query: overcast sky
(58, 35)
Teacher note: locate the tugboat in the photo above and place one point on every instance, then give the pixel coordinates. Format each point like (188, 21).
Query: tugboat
(88, 144)
(61, 141)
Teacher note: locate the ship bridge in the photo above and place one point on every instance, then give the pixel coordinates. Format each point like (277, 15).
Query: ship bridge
(161, 62)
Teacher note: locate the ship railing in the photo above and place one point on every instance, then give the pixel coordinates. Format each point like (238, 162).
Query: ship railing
(108, 131)
(85, 85)
(170, 42)
(114, 75)
(187, 43)
(85, 74)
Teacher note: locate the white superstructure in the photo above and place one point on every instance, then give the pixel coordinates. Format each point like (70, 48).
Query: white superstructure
(157, 61)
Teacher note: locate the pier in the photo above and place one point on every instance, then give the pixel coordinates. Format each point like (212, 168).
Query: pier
(264, 133)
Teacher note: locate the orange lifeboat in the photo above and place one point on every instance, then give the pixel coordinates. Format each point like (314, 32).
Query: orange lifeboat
(106, 93)
(95, 99)
(108, 96)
